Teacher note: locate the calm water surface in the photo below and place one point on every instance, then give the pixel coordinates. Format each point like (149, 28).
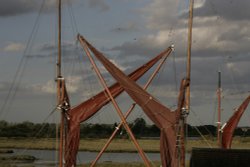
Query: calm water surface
(49, 156)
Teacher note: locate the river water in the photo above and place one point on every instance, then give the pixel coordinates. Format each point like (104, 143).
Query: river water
(46, 157)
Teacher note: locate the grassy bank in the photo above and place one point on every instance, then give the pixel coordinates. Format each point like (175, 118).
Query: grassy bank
(132, 164)
(117, 145)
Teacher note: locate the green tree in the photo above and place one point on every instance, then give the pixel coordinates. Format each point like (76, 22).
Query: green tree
(139, 127)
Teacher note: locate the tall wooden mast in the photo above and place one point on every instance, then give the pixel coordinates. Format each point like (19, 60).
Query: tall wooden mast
(60, 82)
(185, 111)
(190, 27)
(219, 110)
(59, 40)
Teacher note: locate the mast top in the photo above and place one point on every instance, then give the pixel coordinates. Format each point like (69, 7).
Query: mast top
(59, 41)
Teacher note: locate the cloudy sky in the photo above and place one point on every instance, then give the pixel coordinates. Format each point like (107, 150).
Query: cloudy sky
(129, 32)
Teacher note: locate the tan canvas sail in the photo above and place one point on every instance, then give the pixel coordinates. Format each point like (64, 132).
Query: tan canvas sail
(163, 117)
(85, 110)
(228, 130)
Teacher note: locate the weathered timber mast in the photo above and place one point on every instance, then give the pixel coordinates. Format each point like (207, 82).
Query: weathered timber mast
(186, 111)
(219, 110)
(60, 87)
(190, 27)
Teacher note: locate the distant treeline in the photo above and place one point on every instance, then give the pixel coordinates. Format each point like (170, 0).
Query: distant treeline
(138, 126)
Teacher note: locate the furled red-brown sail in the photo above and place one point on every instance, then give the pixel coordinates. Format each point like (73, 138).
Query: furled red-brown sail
(162, 116)
(65, 102)
(228, 130)
(88, 108)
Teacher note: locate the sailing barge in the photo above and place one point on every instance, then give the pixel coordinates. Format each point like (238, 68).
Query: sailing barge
(171, 123)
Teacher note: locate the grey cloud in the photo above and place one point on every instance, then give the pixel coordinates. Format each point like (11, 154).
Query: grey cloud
(100, 4)
(50, 50)
(132, 49)
(230, 10)
(4, 86)
(132, 26)
(204, 61)
(161, 14)
(8, 90)
(139, 47)
(66, 46)
(19, 7)
(238, 34)
(228, 34)
(14, 7)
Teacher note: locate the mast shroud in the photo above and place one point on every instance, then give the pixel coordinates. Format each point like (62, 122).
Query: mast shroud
(219, 110)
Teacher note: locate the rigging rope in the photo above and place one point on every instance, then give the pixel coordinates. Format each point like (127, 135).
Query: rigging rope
(21, 67)
(202, 123)
(39, 131)
(175, 73)
(183, 6)
(73, 19)
(215, 108)
(203, 137)
(225, 58)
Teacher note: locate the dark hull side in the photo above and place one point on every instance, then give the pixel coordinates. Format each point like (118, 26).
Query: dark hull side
(216, 157)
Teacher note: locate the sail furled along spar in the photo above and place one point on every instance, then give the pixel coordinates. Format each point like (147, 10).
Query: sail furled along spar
(85, 110)
(228, 130)
(64, 101)
(163, 117)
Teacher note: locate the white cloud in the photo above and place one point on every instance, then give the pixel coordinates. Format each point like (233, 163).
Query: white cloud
(240, 68)
(118, 65)
(231, 66)
(72, 85)
(213, 32)
(14, 47)
(163, 91)
(103, 69)
(49, 87)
